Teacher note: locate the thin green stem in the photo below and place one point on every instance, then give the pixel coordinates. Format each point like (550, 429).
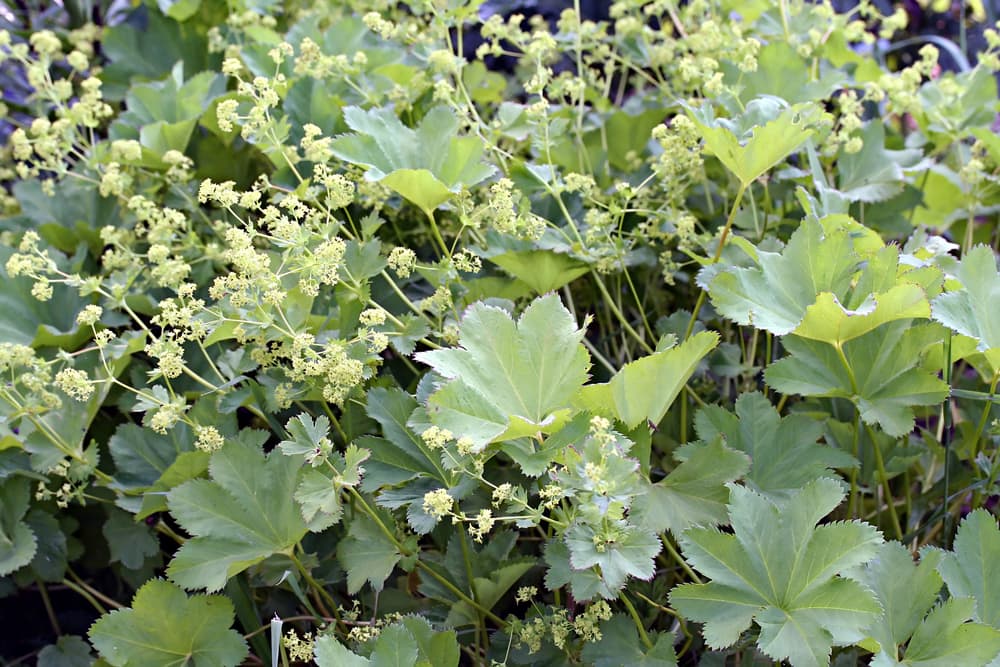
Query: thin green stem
(436, 233)
(852, 503)
(718, 254)
(668, 545)
(333, 609)
(884, 477)
(85, 595)
(984, 417)
(635, 619)
(946, 435)
(49, 610)
(90, 590)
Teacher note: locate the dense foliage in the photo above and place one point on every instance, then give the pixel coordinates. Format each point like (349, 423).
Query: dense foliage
(442, 336)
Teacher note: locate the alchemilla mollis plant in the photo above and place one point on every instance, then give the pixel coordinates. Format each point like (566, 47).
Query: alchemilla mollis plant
(368, 333)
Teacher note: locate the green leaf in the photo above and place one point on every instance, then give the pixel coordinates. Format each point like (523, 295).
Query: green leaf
(129, 542)
(17, 541)
(945, 638)
(830, 283)
(309, 435)
(780, 570)
(166, 627)
(367, 554)
(426, 165)
(619, 645)
(437, 648)
(542, 270)
(331, 653)
(395, 647)
(410, 642)
(883, 376)
(783, 451)
(781, 72)
(509, 378)
(907, 591)
(245, 514)
(125, 46)
(973, 570)
(694, 492)
(319, 498)
(644, 389)
(619, 550)
(764, 136)
(50, 560)
(68, 651)
(585, 584)
(489, 590)
(165, 113)
(972, 310)
(401, 448)
(142, 456)
(187, 466)
(774, 294)
(874, 173)
(28, 321)
(180, 10)
(830, 322)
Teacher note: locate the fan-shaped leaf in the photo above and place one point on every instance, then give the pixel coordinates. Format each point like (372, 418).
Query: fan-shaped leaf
(783, 572)
(246, 513)
(426, 164)
(164, 628)
(509, 378)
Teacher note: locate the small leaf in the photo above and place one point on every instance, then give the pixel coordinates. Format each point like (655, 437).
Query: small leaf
(644, 389)
(620, 551)
(694, 492)
(166, 627)
(68, 651)
(129, 542)
(427, 165)
(542, 270)
(619, 645)
(331, 653)
(972, 310)
(367, 555)
(307, 435)
(874, 173)
(395, 647)
(17, 541)
(320, 500)
(772, 135)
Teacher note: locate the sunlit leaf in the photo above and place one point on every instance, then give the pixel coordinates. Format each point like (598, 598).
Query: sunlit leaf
(507, 378)
(427, 164)
(767, 133)
(164, 628)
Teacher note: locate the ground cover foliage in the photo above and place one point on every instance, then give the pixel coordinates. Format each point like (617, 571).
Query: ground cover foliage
(326, 342)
